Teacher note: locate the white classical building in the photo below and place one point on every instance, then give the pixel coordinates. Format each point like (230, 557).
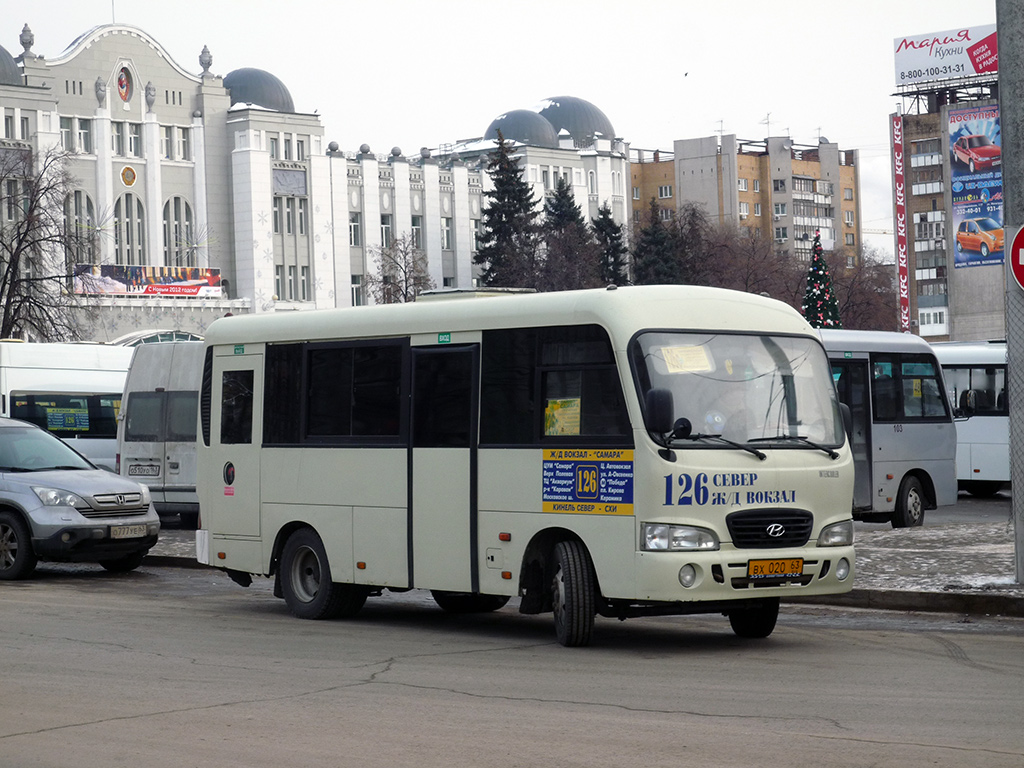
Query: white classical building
(190, 178)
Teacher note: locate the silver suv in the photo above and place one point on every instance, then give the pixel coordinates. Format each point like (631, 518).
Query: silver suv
(55, 505)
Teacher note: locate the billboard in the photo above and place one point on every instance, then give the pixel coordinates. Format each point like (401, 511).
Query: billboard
(976, 186)
(955, 53)
(122, 280)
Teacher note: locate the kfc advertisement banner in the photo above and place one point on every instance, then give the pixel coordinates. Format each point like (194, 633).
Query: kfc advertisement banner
(902, 238)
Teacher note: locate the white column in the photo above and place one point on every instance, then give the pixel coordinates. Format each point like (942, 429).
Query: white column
(202, 215)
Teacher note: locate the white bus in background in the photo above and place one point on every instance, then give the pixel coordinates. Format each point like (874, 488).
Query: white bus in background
(975, 375)
(904, 439)
(638, 451)
(72, 390)
(156, 436)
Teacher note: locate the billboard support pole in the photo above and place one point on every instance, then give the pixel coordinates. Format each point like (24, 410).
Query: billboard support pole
(1010, 30)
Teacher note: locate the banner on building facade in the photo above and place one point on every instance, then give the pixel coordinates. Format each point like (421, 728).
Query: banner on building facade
(902, 240)
(976, 186)
(963, 52)
(121, 280)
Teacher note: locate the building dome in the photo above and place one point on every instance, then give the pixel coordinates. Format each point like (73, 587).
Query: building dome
(258, 87)
(9, 72)
(524, 126)
(580, 118)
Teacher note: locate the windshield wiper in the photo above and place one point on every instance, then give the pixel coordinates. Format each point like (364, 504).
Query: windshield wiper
(699, 436)
(16, 469)
(799, 439)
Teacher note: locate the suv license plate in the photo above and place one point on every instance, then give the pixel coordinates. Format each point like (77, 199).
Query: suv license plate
(775, 569)
(127, 531)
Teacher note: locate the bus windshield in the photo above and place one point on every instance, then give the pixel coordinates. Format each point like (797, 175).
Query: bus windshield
(743, 387)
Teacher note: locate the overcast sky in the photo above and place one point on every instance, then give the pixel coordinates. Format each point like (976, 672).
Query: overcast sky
(415, 73)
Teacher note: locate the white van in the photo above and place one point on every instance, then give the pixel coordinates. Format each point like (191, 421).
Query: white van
(156, 433)
(72, 390)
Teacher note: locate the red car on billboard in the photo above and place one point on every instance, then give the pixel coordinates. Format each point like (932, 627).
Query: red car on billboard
(977, 152)
(982, 235)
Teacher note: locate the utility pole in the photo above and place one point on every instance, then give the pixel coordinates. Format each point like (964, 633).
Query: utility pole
(1010, 31)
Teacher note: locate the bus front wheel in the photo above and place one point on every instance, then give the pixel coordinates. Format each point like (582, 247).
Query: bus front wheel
(756, 622)
(572, 594)
(909, 504)
(306, 581)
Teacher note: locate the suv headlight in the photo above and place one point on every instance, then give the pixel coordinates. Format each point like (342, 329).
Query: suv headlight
(55, 497)
(659, 536)
(836, 535)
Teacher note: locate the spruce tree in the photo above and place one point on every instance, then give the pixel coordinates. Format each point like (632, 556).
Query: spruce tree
(572, 257)
(507, 246)
(655, 259)
(820, 307)
(613, 250)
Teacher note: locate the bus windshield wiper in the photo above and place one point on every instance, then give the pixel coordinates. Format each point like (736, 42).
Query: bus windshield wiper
(799, 439)
(702, 436)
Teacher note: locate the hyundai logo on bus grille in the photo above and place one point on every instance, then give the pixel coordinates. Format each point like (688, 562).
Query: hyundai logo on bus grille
(775, 530)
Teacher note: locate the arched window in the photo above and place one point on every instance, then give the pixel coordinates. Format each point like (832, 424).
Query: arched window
(80, 228)
(129, 230)
(592, 182)
(179, 234)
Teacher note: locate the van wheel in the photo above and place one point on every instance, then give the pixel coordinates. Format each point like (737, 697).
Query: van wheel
(756, 622)
(17, 560)
(306, 581)
(572, 594)
(124, 564)
(467, 602)
(909, 504)
(983, 489)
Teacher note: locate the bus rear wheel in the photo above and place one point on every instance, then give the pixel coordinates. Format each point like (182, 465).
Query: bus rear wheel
(572, 594)
(756, 622)
(909, 504)
(467, 602)
(306, 581)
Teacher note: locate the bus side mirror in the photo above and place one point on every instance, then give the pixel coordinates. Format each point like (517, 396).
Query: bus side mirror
(660, 411)
(847, 421)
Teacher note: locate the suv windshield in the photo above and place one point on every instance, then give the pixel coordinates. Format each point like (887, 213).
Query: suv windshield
(28, 449)
(744, 387)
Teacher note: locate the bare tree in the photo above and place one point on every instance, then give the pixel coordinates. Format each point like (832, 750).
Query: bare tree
(865, 290)
(745, 260)
(40, 240)
(402, 273)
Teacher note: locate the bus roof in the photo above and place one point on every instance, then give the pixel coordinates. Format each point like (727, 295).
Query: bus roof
(970, 352)
(622, 311)
(836, 340)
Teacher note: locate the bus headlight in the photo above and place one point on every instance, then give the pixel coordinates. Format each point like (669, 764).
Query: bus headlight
(836, 535)
(658, 536)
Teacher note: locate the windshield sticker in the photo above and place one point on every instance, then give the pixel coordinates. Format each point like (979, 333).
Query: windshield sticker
(588, 482)
(69, 419)
(562, 417)
(686, 359)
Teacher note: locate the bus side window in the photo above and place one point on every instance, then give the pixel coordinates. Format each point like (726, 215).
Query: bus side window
(236, 408)
(885, 398)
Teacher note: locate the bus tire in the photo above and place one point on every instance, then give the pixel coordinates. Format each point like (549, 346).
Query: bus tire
(572, 594)
(467, 602)
(124, 563)
(306, 581)
(756, 622)
(17, 558)
(909, 504)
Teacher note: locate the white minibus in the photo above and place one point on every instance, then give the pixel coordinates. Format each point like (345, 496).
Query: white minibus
(975, 375)
(904, 440)
(624, 452)
(156, 435)
(73, 390)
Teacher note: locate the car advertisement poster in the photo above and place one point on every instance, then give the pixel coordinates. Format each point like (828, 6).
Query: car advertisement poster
(976, 186)
(123, 280)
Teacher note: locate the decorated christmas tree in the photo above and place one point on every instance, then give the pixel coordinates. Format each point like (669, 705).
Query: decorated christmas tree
(820, 306)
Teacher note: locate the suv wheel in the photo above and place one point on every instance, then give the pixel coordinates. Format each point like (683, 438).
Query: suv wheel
(17, 560)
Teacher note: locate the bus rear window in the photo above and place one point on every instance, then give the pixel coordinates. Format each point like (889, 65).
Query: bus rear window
(69, 416)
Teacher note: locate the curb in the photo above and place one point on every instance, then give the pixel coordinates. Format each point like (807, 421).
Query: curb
(972, 604)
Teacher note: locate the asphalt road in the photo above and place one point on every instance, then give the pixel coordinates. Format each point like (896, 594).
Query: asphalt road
(180, 667)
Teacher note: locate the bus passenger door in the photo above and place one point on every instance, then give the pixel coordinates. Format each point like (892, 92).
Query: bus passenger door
(442, 517)
(851, 377)
(235, 436)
